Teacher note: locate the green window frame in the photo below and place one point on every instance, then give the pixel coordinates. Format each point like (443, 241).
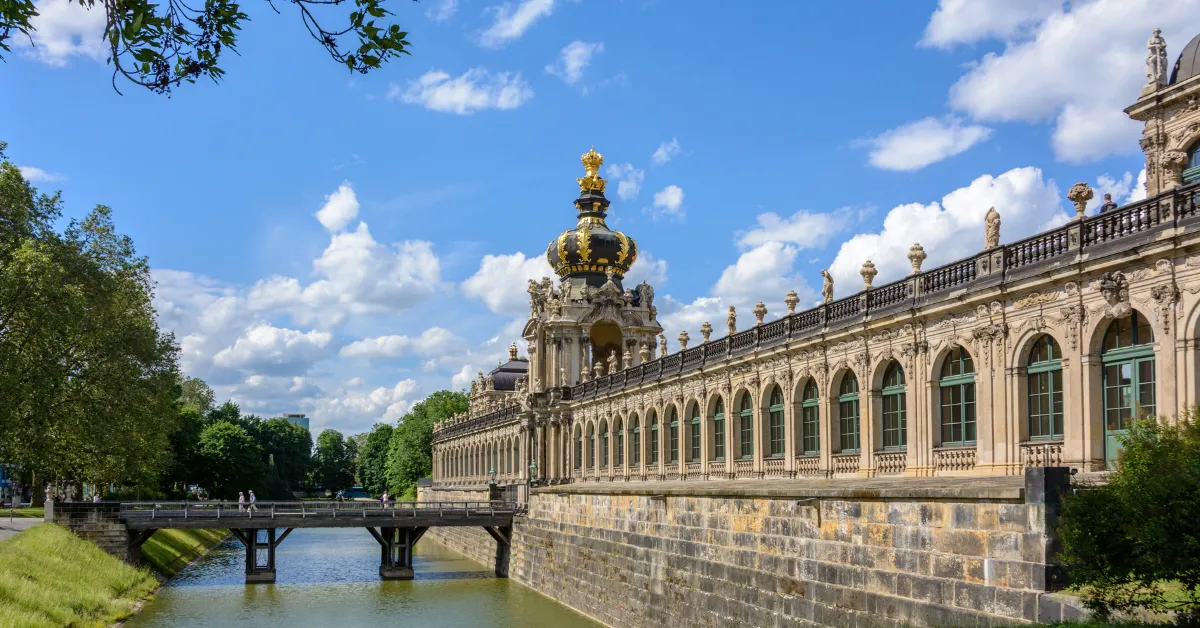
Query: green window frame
(719, 430)
(810, 419)
(895, 421)
(635, 442)
(674, 435)
(1129, 371)
(653, 438)
(604, 446)
(957, 388)
(848, 418)
(591, 447)
(1045, 382)
(619, 452)
(578, 449)
(746, 427)
(1192, 172)
(694, 435)
(775, 423)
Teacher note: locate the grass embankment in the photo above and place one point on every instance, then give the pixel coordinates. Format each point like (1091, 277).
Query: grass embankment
(50, 577)
(22, 513)
(168, 551)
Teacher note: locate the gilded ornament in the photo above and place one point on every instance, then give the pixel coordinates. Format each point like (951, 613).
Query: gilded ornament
(623, 252)
(591, 181)
(562, 247)
(583, 240)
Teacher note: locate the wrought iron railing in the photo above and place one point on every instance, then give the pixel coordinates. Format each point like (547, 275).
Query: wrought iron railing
(464, 426)
(214, 510)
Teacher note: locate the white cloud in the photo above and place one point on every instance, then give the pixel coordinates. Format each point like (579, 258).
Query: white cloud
(340, 208)
(474, 90)
(431, 342)
(1139, 189)
(968, 21)
(356, 382)
(1119, 188)
(442, 10)
(64, 29)
(669, 202)
(275, 351)
(574, 58)
(1078, 64)
(512, 21)
(37, 175)
(804, 229)
(648, 269)
(360, 408)
(502, 280)
(759, 273)
(628, 179)
(949, 230)
(665, 152)
(917, 144)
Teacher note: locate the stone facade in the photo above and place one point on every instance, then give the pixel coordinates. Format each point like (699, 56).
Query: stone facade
(100, 524)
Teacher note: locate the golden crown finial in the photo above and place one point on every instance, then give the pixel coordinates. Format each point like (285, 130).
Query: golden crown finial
(591, 181)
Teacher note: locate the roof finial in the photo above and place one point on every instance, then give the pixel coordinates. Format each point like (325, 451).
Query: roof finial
(591, 181)
(512, 352)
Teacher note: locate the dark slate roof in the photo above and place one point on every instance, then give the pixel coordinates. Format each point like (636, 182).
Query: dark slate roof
(505, 376)
(1188, 64)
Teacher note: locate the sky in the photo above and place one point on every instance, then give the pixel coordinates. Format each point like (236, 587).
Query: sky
(344, 245)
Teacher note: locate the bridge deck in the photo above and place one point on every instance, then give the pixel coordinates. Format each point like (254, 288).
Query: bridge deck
(297, 514)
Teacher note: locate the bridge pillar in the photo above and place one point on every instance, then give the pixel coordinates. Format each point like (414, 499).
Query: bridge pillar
(396, 551)
(503, 537)
(260, 544)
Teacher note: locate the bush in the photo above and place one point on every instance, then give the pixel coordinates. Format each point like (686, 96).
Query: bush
(1134, 543)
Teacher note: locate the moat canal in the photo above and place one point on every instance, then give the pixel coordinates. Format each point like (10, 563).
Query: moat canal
(330, 577)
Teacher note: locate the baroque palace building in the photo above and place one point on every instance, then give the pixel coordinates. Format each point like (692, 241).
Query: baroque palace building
(1038, 352)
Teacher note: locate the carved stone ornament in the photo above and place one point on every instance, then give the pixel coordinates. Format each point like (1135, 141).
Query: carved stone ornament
(1165, 297)
(826, 286)
(791, 300)
(705, 331)
(644, 353)
(1156, 60)
(731, 320)
(599, 370)
(626, 360)
(683, 340)
(1173, 163)
(916, 255)
(1080, 194)
(1035, 298)
(991, 229)
(868, 273)
(662, 346)
(760, 312)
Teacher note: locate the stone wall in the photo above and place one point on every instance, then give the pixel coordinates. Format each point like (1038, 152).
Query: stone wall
(474, 543)
(98, 523)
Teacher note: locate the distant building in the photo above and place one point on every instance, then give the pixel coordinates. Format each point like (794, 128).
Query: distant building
(298, 419)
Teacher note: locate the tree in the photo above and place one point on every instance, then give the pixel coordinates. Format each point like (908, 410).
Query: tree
(196, 395)
(89, 384)
(333, 467)
(185, 465)
(372, 458)
(1134, 543)
(231, 460)
(410, 452)
(290, 447)
(161, 45)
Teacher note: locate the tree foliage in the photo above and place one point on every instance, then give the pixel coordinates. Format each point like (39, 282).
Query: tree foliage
(333, 461)
(89, 384)
(232, 460)
(372, 458)
(162, 45)
(1135, 542)
(410, 452)
(197, 395)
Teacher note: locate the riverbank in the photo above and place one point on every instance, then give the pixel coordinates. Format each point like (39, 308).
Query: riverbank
(50, 577)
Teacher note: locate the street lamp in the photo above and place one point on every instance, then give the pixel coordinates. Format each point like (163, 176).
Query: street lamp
(533, 479)
(492, 477)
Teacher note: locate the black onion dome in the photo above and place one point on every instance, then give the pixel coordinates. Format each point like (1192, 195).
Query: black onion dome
(591, 249)
(1188, 64)
(505, 376)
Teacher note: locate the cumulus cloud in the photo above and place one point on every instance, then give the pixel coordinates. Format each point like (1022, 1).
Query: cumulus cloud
(968, 21)
(362, 408)
(917, 144)
(502, 280)
(804, 229)
(512, 21)
(1120, 188)
(37, 175)
(432, 341)
(474, 90)
(574, 57)
(62, 30)
(665, 152)
(340, 208)
(1139, 188)
(628, 180)
(668, 202)
(275, 351)
(442, 10)
(950, 229)
(648, 269)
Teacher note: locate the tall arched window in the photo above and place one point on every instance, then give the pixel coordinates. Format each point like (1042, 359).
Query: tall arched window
(1045, 390)
(619, 452)
(775, 422)
(957, 386)
(1192, 172)
(746, 427)
(694, 434)
(591, 446)
(810, 420)
(719, 430)
(895, 424)
(653, 420)
(635, 442)
(604, 444)
(1128, 359)
(673, 444)
(848, 413)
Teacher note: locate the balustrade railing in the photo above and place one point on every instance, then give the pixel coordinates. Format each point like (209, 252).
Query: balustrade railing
(890, 462)
(1038, 248)
(693, 358)
(1042, 453)
(773, 332)
(141, 511)
(694, 471)
(743, 469)
(774, 468)
(890, 294)
(808, 466)
(954, 458)
(717, 470)
(742, 342)
(844, 308)
(846, 463)
(947, 277)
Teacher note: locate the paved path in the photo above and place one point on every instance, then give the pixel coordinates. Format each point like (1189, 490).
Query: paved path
(18, 524)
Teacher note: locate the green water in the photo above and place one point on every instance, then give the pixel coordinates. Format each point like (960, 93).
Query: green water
(330, 577)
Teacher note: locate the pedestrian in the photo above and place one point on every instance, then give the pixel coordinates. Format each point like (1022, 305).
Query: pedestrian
(95, 498)
(253, 499)
(241, 502)
(1108, 205)
(384, 500)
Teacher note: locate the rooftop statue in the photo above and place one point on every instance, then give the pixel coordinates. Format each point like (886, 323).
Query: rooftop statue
(826, 287)
(1156, 59)
(991, 229)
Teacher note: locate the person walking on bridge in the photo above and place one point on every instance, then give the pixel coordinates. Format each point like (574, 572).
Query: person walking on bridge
(384, 500)
(253, 499)
(241, 502)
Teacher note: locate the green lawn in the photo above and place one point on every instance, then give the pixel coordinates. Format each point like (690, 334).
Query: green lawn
(168, 551)
(50, 577)
(37, 513)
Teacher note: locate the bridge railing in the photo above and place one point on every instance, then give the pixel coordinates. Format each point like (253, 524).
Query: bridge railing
(314, 509)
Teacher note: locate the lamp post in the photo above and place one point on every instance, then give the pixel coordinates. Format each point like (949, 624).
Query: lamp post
(492, 476)
(533, 481)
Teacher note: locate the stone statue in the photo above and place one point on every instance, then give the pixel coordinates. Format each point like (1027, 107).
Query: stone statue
(683, 340)
(490, 383)
(760, 312)
(1156, 59)
(626, 360)
(646, 294)
(535, 298)
(731, 320)
(612, 361)
(991, 229)
(562, 376)
(916, 255)
(826, 287)
(608, 273)
(598, 370)
(644, 353)
(705, 331)
(662, 346)
(791, 300)
(583, 369)
(868, 273)
(1080, 194)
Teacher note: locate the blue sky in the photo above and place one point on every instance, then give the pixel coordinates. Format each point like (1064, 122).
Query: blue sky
(344, 245)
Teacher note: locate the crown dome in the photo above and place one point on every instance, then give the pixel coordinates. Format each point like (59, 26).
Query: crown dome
(1188, 63)
(591, 250)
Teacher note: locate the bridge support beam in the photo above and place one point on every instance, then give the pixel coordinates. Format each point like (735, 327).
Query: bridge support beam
(503, 537)
(396, 551)
(260, 544)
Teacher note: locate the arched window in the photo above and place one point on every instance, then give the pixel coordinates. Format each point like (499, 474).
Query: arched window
(746, 427)
(604, 444)
(810, 420)
(1128, 360)
(895, 424)
(719, 430)
(619, 452)
(775, 422)
(1045, 390)
(635, 442)
(653, 420)
(1192, 171)
(694, 434)
(848, 413)
(673, 445)
(957, 386)
(591, 446)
